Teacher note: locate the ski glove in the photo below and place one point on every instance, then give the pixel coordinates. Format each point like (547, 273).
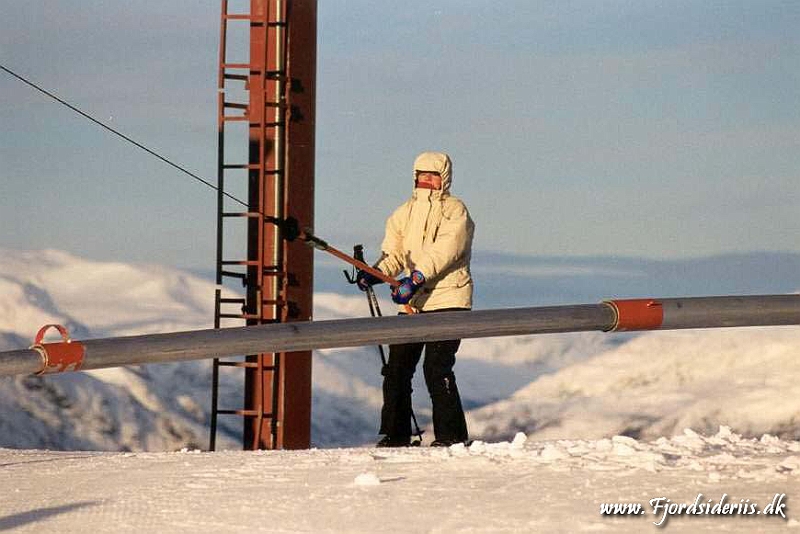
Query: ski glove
(409, 285)
(364, 280)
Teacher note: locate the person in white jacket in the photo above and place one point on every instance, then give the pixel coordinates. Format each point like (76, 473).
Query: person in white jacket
(429, 241)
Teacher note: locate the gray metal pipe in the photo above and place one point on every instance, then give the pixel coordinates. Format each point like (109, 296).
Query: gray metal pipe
(20, 362)
(615, 315)
(716, 312)
(287, 337)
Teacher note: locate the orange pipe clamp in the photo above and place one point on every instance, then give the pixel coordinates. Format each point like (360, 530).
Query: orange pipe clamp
(637, 314)
(66, 355)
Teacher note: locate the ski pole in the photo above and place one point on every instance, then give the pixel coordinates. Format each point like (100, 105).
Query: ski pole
(375, 311)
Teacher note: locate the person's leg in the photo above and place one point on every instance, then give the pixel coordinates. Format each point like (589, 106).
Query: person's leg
(449, 423)
(397, 375)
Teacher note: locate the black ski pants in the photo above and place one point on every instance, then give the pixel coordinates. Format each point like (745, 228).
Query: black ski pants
(449, 423)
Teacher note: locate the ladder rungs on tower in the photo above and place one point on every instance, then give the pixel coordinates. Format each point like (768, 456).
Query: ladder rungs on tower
(262, 269)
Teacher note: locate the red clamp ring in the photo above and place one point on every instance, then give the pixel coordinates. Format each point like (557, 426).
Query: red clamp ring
(636, 314)
(66, 355)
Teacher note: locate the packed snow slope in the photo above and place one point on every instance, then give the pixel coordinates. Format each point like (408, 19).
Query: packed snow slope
(724, 483)
(589, 385)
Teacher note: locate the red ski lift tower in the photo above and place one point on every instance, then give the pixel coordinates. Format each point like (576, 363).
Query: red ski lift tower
(266, 102)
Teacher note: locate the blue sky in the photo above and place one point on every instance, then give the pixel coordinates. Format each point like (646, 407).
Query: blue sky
(617, 128)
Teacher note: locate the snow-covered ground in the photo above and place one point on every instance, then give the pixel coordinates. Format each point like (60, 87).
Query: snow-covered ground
(521, 486)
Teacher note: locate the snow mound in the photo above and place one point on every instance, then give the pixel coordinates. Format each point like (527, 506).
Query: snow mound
(367, 479)
(658, 383)
(112, 298)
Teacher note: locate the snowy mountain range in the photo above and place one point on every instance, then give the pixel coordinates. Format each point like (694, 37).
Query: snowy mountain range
(576, 386)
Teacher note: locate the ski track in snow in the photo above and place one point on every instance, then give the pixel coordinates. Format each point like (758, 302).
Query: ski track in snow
(518, 486)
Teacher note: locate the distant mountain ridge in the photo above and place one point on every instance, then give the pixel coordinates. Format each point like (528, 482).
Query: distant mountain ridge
(502, 380)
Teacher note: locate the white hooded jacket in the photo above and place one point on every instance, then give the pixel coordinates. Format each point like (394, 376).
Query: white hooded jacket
(432, 232)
